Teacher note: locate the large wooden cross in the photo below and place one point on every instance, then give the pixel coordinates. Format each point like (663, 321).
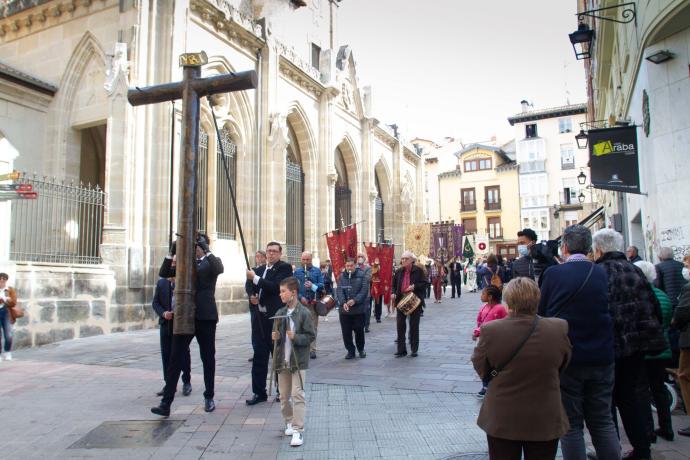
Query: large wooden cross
(191, 89)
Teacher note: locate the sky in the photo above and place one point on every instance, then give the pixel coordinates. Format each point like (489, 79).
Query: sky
(459, 68)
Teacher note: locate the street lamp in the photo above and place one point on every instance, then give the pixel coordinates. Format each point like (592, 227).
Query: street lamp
(581, 139)
(660, 56)
(583, 35)
(581, 178)
(581, 197)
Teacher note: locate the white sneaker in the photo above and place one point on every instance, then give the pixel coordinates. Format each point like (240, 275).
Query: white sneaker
(8, 356)
(288, 430)
(297, 439)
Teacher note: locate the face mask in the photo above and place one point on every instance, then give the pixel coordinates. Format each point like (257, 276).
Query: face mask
(523, 250)
(686, 273)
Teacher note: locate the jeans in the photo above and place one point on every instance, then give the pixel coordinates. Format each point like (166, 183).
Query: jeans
(625, 397)
(586, 393)
(6, 328)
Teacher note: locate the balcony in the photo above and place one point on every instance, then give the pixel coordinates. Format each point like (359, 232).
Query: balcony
(567, 165)
(492, 205)
(468, 207)
(533, 166)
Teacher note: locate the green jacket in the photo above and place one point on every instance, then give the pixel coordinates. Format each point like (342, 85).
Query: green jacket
(304, 336)
(667, 314)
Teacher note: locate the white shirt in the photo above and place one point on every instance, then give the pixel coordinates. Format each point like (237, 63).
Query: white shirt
(288, 341)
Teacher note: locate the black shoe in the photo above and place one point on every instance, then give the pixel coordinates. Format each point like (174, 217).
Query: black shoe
(414, 354)
(163, 410)
(362, 354)
(378, 320)
(209, 405)
(667, 435)
(312, 355)
(187, 388)
(400, 354)
(160, 393)
(366, 329)
(633, 456)
(256, 400)
(350, 355)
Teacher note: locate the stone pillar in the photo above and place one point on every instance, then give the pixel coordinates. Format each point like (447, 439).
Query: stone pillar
(326, 167)
(368, 181)
(398, 231)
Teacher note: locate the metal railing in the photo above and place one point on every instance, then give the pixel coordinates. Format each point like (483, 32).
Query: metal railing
(226, 221)
(63, 225)
(492, 205)
(467, 206)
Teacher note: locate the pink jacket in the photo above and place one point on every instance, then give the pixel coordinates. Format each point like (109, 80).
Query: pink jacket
(489, 313)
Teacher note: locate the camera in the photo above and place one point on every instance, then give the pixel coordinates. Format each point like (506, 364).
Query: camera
(545, 251)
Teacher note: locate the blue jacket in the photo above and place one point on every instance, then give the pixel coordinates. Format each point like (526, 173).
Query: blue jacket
(352, 287)
(590, 327)
(316, 279)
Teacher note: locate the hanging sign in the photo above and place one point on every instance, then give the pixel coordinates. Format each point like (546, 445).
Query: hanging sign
(613, 159)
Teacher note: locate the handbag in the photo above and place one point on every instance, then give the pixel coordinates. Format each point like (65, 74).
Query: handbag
(496, 370)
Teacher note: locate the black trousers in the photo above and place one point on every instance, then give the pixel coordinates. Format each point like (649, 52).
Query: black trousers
(625, 398)
(507, 449)
(263, 348)
(166, 351)
(205, 333)
(367, 313)
(455, 286)
(652, 386)
(378, 307)
(414, 330)
(350, 324)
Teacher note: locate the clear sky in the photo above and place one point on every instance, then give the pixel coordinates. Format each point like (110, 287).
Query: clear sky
(460, 67)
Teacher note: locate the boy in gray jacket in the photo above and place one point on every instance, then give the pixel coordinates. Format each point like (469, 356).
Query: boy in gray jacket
(293, 336)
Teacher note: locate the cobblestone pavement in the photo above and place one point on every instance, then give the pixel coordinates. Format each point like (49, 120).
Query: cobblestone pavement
(51, 398)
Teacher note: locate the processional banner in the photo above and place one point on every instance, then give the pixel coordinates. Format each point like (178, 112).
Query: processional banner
(380, 257)
(342, 244)
(458, 233)
(442, 238)
(417, 238)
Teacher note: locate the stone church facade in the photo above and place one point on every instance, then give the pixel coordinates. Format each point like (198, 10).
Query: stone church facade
(305, 152)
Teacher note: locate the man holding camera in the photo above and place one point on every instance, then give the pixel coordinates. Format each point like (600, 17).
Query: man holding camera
(534, 257)
(208, 268)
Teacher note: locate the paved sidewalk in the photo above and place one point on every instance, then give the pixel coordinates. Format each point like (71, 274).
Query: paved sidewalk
(377, 407)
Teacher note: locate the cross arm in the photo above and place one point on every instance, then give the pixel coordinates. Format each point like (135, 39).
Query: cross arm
(224, 83)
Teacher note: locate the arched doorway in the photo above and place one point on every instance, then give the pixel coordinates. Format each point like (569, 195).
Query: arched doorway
(379, 212)
(343, 194)
(294, 200)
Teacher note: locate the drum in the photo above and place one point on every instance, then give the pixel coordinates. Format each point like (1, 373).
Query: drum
(409, 303)
(324, 305)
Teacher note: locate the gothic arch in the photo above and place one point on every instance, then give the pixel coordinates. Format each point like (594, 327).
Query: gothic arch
(352, 171)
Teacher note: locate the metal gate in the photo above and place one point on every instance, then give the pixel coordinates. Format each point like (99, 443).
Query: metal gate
(225, 214)
(294, 212)
(342, 206)
(378, 207)
(202, 183)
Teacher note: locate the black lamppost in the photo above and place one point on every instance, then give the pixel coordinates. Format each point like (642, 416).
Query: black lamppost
(585, 36)
(581, 37)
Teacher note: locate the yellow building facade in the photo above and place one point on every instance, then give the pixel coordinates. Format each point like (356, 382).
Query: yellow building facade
(483, 194)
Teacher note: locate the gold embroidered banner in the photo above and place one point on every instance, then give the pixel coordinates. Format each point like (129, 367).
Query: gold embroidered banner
(418, 239)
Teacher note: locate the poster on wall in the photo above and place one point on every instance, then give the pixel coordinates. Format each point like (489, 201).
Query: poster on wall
(613, 159)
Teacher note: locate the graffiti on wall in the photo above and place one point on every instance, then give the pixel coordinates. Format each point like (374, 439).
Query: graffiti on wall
(677, 238)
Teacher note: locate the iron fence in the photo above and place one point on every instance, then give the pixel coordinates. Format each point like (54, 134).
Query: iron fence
(63, 225)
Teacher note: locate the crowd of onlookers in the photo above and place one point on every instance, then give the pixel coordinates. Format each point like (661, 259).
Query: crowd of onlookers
(590, 338)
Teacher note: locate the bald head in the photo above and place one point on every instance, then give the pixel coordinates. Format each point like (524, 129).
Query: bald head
(306, 258)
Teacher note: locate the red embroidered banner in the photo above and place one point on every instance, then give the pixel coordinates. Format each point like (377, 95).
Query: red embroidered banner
(342, 244)
(381, 260)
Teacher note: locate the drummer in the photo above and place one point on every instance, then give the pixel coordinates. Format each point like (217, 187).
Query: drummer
(408, 278)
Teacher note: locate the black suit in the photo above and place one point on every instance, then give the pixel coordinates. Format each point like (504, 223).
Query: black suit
(268, 289)
(418, 280)
(162, 302)
(206, 316)
(455, 278)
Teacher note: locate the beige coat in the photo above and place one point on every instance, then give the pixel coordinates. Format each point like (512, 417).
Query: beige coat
(523, 403)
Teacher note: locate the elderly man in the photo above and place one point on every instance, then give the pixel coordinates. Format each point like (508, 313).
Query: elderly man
(633, 254)
(408, 278)
(637, 331)
(310, 285)
(577, 291)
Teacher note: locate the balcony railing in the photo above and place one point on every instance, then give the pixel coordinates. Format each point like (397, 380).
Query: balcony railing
(492, 205)
(567, 165)
(467, 207)
(533, 166)
(496, 236)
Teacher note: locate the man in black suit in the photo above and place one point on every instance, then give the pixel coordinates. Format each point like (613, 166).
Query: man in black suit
(208, 267)
(264, 284)
(455, 277)
(164, 306)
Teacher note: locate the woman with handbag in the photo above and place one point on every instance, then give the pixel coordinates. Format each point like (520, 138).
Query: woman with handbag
(523, 355)
(8, 314)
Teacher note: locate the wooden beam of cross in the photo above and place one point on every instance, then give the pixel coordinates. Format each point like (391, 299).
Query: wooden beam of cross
(191, 89)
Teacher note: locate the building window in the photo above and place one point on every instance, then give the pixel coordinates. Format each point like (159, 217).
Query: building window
(570, 218)
(565, 125)
(478, 164)
(470, 225)
(492, 198)
(570, 191)
(494, 226)
(567, 156)
(530, 131)
(315, 56)
(469, 202)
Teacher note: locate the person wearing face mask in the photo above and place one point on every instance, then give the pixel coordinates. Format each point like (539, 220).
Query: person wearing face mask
(523, 265)
(350, 296)
(681, 322)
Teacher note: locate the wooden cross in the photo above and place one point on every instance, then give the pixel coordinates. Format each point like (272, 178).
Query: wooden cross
(191, 89)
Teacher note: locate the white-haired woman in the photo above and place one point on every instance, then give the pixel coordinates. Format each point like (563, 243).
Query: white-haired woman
(656, 365)
(637, 332)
